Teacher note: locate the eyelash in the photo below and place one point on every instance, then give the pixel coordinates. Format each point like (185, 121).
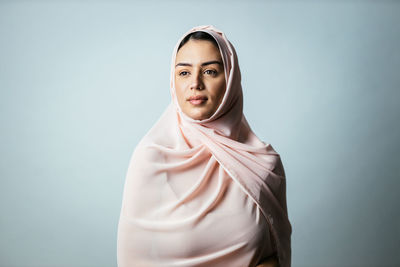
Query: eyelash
(213, 72)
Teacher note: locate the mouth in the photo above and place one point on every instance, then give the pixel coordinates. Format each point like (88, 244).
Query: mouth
(197, 100)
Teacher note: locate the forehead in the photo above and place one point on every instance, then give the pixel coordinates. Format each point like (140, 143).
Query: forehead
(198, 50)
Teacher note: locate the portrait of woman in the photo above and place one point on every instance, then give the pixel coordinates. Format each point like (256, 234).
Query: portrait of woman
(220, 134)
(201, 188)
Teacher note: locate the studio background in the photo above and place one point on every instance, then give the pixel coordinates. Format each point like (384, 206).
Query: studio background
(82, 82)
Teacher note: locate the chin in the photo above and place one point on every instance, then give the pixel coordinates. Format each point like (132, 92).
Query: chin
(198, 113)
(198, 116)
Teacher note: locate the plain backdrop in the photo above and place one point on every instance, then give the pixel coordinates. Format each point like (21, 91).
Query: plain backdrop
(82, 81)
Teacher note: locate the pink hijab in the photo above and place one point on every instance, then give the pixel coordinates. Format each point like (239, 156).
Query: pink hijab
(178, 144)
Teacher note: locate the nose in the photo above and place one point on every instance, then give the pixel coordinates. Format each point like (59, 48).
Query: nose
(197, 81)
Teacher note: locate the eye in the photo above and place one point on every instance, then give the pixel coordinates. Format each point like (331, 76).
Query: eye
(183, 73)
(211, 72)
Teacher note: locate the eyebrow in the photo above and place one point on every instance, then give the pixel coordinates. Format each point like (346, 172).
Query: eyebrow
(203, 64)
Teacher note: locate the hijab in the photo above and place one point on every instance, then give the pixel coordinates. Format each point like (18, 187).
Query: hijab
(177, 146)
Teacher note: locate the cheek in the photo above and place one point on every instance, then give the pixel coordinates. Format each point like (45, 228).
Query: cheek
(219, 89)
(178, 87)
(179, 91)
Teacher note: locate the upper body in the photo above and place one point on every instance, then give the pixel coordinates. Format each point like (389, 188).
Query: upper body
(201, 188)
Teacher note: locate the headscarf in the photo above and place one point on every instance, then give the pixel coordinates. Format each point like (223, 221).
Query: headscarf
(177, 144)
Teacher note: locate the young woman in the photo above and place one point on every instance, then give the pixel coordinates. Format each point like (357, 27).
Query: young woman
(201, 188)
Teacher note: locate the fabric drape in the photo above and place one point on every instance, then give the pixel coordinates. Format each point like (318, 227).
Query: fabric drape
(184, 171)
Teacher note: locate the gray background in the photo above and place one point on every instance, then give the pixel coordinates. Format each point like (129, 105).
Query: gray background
(82, 82)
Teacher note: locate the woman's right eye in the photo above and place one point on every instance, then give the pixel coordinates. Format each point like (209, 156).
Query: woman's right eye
(183, 73)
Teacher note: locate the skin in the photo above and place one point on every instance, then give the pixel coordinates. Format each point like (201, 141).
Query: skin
(199, 70)
(198, 73)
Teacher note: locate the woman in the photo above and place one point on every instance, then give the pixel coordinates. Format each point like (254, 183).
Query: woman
(201, 189)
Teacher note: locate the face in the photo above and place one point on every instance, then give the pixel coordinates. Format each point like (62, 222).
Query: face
(199, 79)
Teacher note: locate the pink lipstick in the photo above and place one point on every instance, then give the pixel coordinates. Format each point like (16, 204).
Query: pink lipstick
(197, 99)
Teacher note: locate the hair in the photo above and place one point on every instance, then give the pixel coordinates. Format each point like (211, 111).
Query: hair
(198, 35)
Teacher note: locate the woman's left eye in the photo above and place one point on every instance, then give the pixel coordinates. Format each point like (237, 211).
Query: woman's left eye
(212, 72)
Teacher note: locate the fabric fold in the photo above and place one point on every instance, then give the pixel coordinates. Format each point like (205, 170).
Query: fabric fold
(204, 192)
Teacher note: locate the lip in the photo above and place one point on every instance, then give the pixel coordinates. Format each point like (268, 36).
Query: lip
(197, 99)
